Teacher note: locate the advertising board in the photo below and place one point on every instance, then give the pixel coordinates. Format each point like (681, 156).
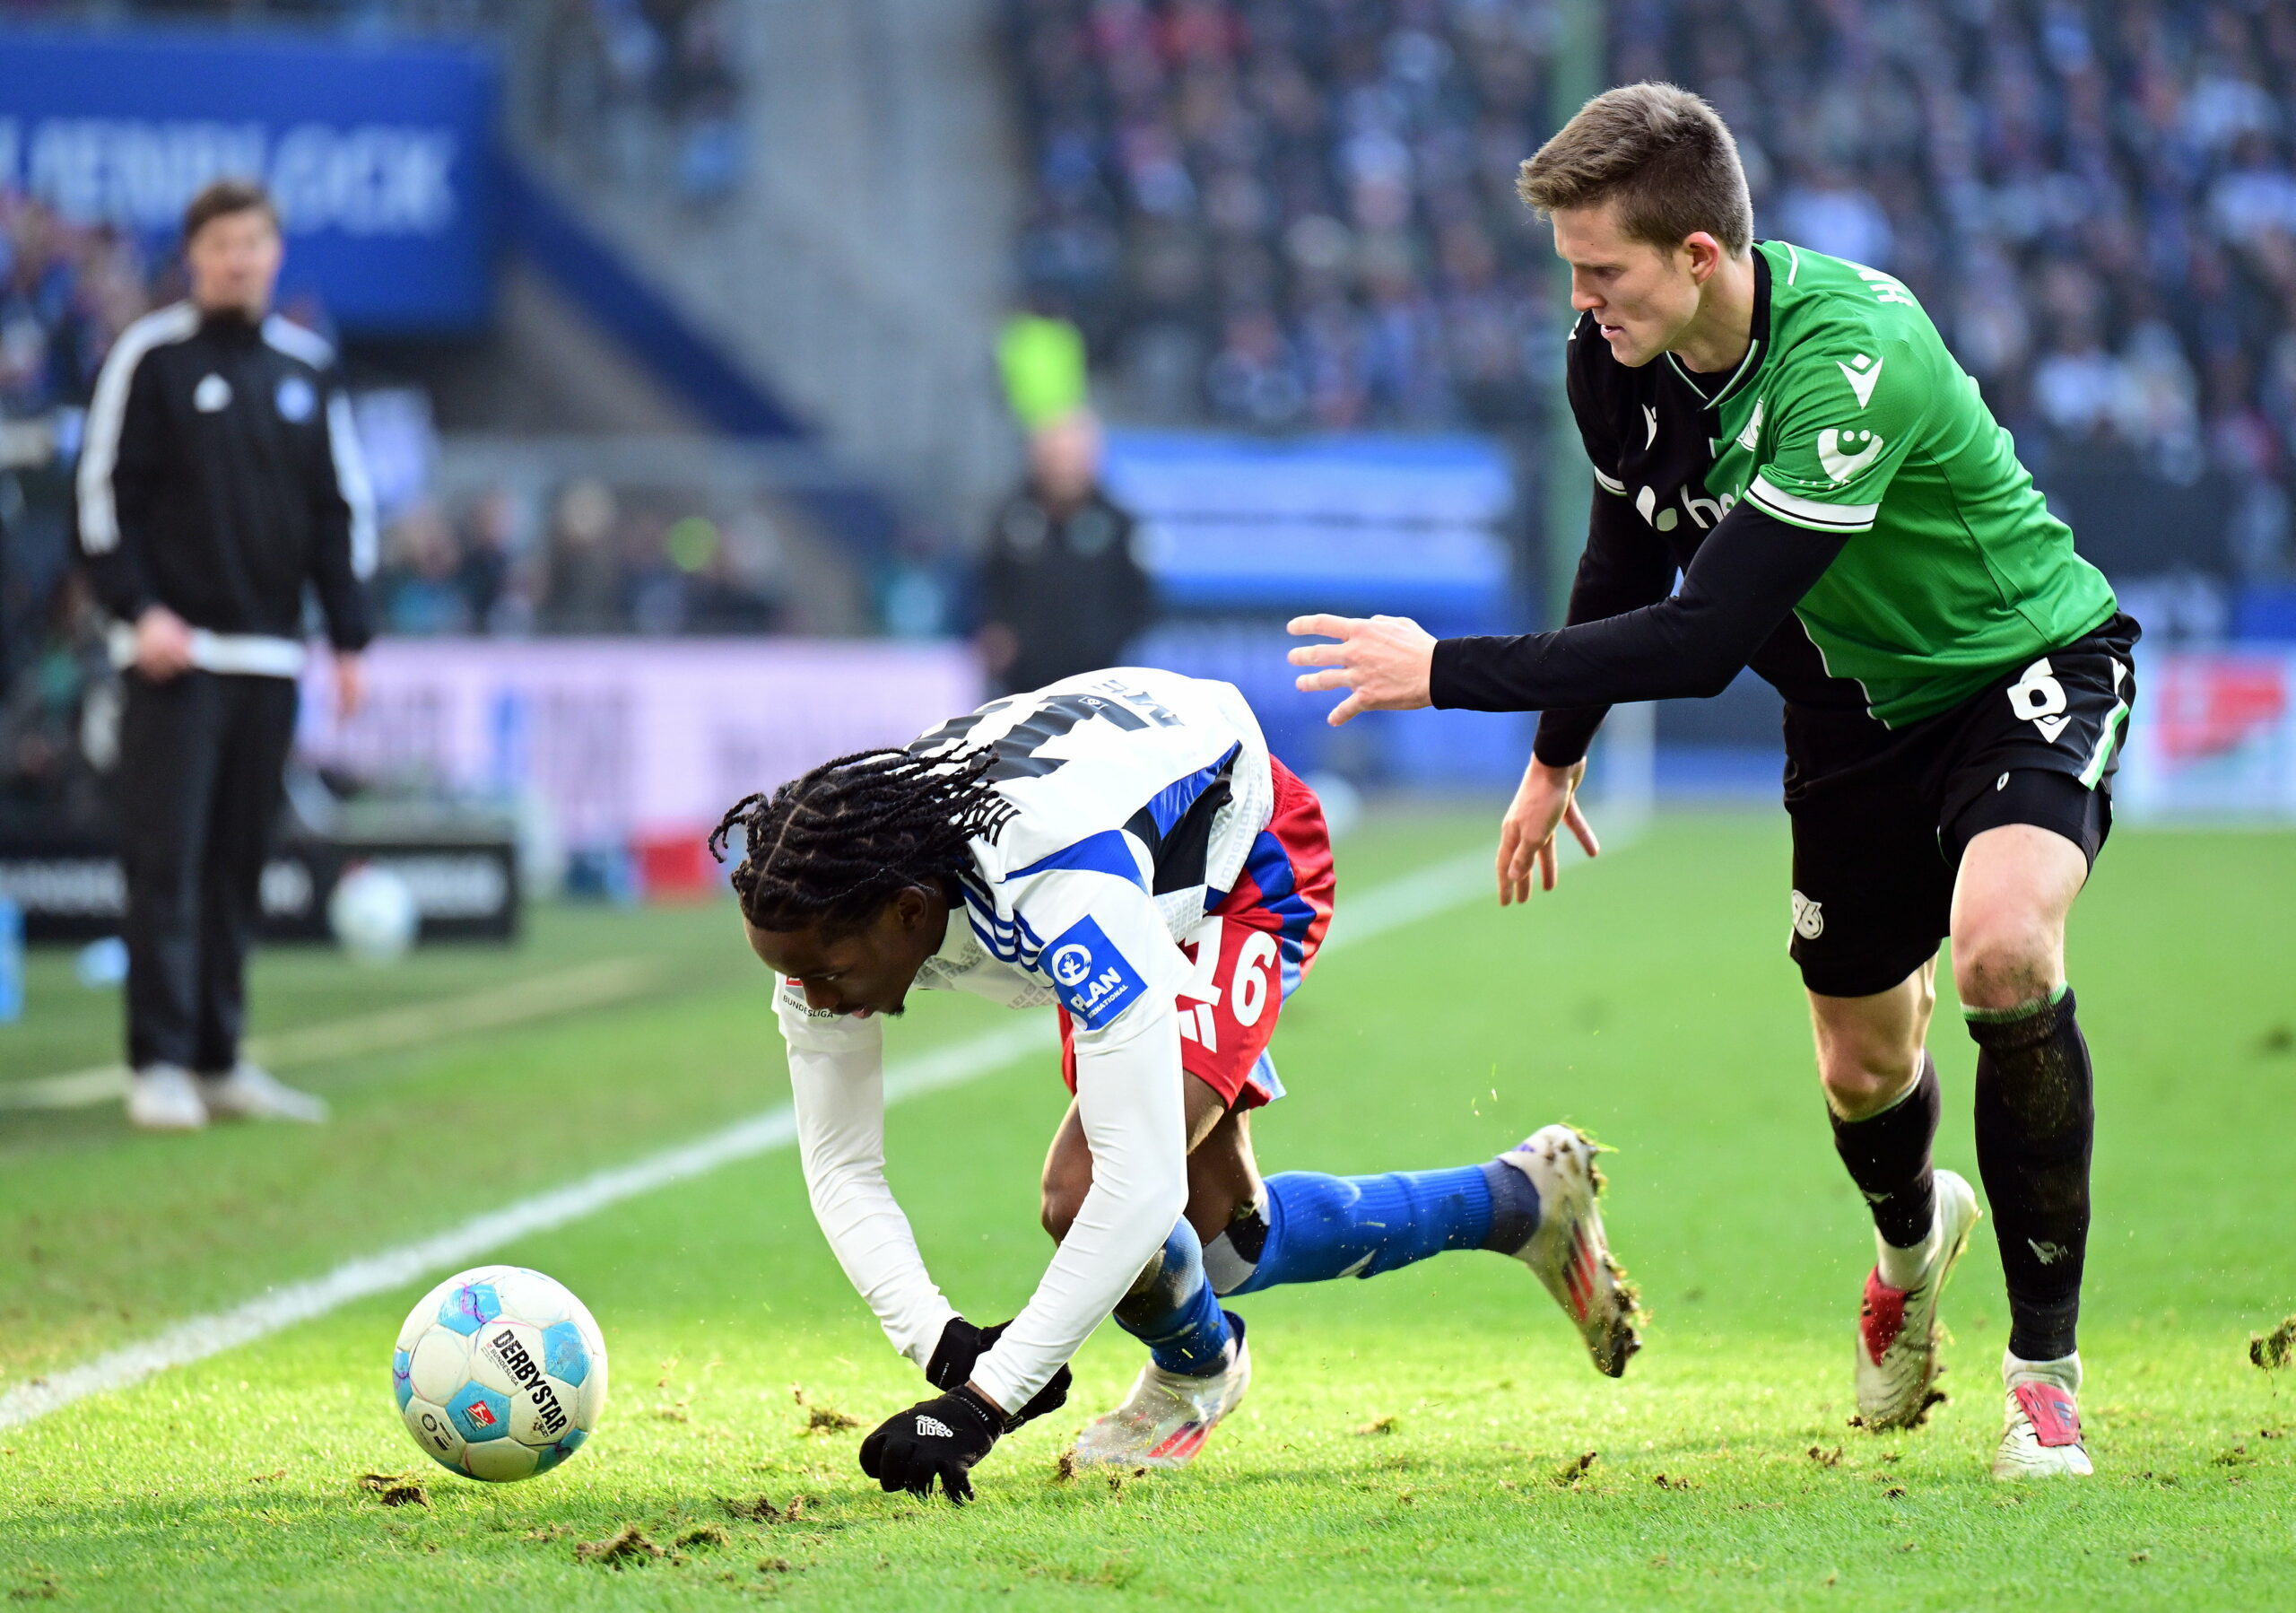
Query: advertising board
(380, 155)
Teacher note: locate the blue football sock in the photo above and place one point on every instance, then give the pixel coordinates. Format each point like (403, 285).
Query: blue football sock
(1314, 1227)
(1177, 1315)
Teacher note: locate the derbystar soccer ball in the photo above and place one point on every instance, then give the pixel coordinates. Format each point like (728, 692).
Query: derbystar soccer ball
(499, 1373)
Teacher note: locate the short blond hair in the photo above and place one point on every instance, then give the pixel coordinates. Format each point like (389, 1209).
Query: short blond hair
(1658, 152)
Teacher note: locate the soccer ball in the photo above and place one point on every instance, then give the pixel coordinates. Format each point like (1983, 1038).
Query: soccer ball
(499, 1373)
(374, 914)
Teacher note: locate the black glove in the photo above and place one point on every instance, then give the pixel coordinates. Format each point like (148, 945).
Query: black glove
(940, 1439)
(962, 1344)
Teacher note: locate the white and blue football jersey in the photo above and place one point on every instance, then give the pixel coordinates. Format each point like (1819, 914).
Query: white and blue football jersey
(1139, 800)
(1137, 795)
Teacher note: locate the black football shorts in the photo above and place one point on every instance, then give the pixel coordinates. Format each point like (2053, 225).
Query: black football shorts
(1881, 816)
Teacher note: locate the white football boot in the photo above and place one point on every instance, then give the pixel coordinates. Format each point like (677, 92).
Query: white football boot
(162, 1097)
(1165, 1419)
(1898, 1333)
(2040, 1437)
(1569, 1252)
(252, 1093)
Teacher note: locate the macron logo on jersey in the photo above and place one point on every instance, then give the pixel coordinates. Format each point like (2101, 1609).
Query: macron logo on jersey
(1861, 372)
(1094, 981)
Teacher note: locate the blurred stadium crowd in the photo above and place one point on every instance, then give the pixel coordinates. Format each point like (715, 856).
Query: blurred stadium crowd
(587, 561)
(1281, 214)
(1291, 213)
(648, 88)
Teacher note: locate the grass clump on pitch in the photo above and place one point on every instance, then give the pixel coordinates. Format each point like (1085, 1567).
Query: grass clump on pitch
(1434, 1435)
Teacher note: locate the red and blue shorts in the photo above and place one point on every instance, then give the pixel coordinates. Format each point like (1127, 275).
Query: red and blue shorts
(1252, 950)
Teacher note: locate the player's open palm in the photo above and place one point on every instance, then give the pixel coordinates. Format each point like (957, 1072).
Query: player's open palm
(1545, 802)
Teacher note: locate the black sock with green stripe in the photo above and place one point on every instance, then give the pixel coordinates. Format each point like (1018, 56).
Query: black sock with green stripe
(2036, 1122)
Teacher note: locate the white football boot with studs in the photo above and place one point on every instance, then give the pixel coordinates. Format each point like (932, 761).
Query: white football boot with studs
(1166, 1418)
(1568, 1254)
(2040, 1437)
(1897, 1330)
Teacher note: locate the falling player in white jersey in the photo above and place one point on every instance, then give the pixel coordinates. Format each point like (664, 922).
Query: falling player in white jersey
(1119, 846)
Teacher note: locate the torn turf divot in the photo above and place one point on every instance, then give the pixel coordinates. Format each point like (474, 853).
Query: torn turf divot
(395, 1489)
(631, 1542)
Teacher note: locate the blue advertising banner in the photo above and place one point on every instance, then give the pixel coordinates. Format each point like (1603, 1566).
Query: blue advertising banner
(380, 156)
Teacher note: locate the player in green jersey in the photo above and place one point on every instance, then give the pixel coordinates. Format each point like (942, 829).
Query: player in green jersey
(1789, 432)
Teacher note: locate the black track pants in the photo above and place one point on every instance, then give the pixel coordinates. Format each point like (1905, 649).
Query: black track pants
(200, 764)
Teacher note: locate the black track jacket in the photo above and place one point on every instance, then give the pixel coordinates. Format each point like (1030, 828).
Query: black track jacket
(220, 473)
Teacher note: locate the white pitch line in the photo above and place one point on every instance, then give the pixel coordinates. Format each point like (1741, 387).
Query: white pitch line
(1451, 883)
(1380, 909)
(409, 1024)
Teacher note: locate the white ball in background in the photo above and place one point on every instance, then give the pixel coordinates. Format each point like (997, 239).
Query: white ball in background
(373, 914)
(101, 963)
(1342, 803)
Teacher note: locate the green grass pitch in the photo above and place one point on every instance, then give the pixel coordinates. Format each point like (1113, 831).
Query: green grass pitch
(1432, 1437)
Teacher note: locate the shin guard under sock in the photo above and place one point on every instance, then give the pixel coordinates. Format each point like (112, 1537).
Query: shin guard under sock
(1888, 1157)
(1174, 1311)
(2035, 1121)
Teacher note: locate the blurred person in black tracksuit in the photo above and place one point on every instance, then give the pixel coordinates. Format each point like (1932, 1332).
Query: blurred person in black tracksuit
(219, 476)
(1060, 589)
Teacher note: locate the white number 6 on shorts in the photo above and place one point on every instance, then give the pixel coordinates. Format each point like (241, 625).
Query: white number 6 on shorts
(1250, 985)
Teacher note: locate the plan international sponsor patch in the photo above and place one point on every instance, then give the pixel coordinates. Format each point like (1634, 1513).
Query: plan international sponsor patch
(1093, 980)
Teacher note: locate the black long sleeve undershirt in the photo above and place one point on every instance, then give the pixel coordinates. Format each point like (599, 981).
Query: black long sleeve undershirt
(1626, 565)
(1750, 571)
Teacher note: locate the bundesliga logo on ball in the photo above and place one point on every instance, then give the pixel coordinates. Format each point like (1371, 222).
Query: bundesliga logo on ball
(500, 1373)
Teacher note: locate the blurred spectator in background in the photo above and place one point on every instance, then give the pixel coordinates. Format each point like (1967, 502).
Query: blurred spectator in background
(421, 586)
(1061, 591)
(487, 572)
(1041, 357)
(220, 478)
(584, 590)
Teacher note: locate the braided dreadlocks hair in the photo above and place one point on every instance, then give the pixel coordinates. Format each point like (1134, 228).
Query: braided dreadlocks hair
(833, 847)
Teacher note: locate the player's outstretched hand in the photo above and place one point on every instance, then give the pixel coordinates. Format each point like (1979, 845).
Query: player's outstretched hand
(1547, 799)
(1384, 662)
(941, 1438)
(962, 1344)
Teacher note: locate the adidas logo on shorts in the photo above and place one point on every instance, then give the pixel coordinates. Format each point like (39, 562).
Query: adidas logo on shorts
(935, 1427)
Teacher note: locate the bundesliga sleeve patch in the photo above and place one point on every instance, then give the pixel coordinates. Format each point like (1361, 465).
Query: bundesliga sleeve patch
(793, 994)
(1094, 981)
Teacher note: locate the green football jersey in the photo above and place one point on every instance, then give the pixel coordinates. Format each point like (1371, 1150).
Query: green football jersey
(1853, 418)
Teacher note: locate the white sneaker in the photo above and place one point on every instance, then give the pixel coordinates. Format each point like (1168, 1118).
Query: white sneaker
(1569, 1252)
(2041, 1435)
(1164, 1421)
(252, 1093)
(1898, 1333)
(160, 1097)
